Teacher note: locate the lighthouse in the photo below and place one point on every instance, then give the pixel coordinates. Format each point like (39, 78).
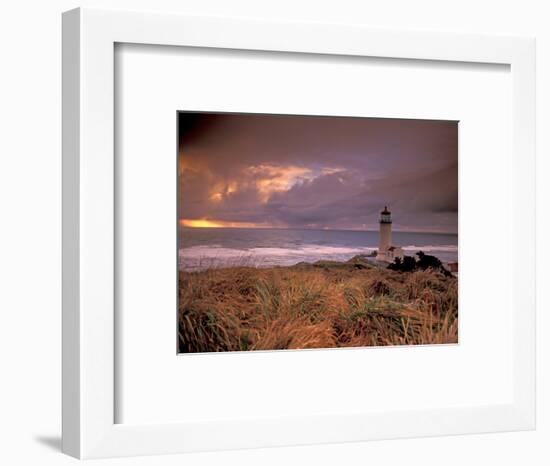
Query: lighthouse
(387, 252)
(385, 230)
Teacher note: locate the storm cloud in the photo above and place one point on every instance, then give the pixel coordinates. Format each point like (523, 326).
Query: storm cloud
(317, 172)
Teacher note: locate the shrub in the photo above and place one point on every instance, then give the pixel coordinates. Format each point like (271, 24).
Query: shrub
(424, 262)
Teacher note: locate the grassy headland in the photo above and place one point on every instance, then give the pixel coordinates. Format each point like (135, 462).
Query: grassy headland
(320, 305)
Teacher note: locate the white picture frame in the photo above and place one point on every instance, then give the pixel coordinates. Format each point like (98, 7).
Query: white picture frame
(89, 38)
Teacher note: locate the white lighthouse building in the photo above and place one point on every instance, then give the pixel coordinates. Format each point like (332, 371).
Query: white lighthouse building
(386, 251)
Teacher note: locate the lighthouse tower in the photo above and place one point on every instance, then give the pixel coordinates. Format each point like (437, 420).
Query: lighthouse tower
(385, 231)
(386, 251)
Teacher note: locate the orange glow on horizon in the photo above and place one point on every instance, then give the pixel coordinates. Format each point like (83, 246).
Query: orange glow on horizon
(204, 223)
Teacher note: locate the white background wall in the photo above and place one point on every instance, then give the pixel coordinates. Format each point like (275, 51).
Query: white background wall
(30, 226)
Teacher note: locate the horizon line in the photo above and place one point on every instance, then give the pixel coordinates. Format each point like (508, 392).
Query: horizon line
(225, 227)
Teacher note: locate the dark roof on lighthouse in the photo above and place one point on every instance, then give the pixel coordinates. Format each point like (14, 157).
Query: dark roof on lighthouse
(385, 211)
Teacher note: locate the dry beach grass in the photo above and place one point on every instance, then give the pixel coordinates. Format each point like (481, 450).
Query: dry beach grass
(322, 305)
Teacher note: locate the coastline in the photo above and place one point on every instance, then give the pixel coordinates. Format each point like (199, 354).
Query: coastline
(198, 258)
(202, 248)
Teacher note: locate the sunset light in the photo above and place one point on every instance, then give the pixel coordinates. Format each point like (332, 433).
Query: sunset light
(203, 223)
(260, 171)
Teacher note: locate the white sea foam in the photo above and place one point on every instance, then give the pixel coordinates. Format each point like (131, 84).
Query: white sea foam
(215, 256)
(201, 257)
(430, 248)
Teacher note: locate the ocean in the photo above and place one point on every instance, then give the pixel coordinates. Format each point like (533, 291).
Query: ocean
(202, 248)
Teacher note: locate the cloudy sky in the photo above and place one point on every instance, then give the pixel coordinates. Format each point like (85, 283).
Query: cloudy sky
(246, 170)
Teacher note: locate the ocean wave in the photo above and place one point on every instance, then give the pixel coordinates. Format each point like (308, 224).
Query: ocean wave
(216, 256)
(203, 257)
(219, 251)
(432, 248)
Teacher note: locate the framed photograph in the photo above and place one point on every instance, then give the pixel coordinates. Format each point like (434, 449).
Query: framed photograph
(283, 243)
(293, 233)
